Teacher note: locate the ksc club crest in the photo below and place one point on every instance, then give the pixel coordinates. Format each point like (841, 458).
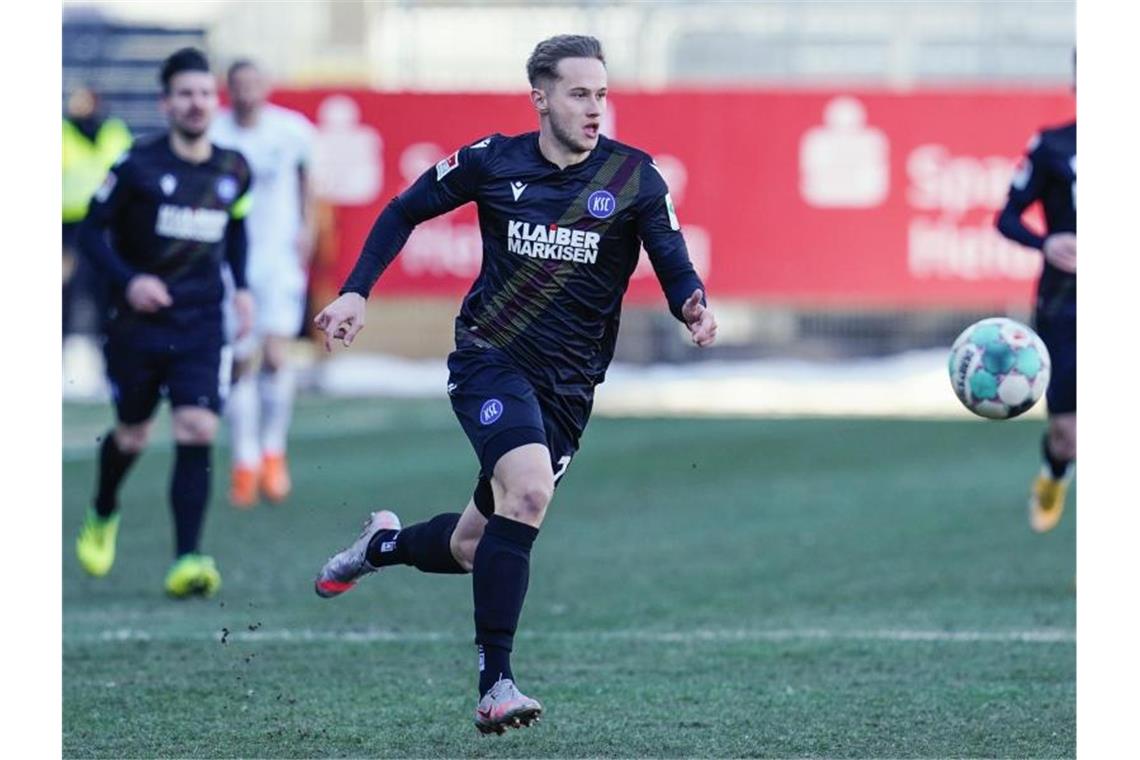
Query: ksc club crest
(227, 188)
(601, 204)
(492, 410)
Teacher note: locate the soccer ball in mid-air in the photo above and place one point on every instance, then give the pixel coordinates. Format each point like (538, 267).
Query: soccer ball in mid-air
(999, 368)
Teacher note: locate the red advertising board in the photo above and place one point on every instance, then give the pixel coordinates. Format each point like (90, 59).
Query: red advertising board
(857, 198)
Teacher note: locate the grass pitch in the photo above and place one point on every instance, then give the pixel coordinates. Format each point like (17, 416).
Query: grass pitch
(775, 588)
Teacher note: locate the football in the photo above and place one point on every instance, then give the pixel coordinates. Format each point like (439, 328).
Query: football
(999, 368)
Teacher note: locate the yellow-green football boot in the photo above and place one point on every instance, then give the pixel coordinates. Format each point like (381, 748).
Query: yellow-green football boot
(193, 574)
(95, 546)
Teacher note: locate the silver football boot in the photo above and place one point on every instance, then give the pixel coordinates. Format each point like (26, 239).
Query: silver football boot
(345, 568)
(504, 706)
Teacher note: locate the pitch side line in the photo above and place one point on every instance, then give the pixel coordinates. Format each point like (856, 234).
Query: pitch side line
(699, 636)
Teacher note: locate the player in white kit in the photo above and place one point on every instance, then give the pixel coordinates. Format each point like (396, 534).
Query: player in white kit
(277, 143)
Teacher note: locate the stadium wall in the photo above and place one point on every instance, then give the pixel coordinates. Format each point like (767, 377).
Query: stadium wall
(797, 198)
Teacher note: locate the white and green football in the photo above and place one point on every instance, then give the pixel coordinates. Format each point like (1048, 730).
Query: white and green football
(999, 368)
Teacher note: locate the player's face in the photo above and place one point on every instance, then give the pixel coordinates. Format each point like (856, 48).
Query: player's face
(576, 103)
(191, 102)
(81, 103)
(248, 89)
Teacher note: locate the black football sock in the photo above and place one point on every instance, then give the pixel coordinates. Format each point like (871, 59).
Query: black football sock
(425, 546)
(1059, 467)
(499, 582)
(189, 491)
(494, 663)
(113, 466)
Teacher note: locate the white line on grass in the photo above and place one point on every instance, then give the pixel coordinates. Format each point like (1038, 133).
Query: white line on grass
(314, 423)
(698, 636)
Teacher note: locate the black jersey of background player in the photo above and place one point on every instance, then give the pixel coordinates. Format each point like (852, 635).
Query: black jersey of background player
(168, 217)
(1047, 173)
(559, 246)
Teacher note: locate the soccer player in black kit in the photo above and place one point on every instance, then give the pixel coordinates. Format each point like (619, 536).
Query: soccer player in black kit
(1048, 173)
(167, 215)
(563, 214)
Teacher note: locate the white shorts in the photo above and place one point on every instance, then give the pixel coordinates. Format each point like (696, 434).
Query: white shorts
(278, 309)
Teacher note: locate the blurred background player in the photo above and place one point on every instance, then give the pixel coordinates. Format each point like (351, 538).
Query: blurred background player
(1048, 173)
(563, 214)
(92, 141)
(277, 143)
(159, 228)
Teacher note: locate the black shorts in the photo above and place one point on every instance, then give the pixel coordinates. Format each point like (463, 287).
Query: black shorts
(1059, 331)
(501, 409)
(141, 374)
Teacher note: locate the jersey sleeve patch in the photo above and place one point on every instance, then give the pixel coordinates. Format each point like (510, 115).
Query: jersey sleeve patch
(674, 223)
(1022, 173)
(240, 209)
(447, 166)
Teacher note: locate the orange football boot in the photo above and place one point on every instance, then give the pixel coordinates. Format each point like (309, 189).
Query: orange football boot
(1047, 501)
(243, 487)
(275, 481)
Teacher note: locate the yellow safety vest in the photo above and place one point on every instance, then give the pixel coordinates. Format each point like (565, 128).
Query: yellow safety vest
(85, 163)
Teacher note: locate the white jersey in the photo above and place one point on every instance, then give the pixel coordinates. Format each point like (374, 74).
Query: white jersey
(275, 147)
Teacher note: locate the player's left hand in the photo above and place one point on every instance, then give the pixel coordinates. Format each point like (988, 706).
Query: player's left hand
(700, 320)
(243, 308)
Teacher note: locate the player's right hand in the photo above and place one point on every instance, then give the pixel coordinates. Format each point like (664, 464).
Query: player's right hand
(699, 319)
(147, 293)
(342, 319)
(1060, 250)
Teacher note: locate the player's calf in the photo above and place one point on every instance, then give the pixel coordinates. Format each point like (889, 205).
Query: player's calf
(1061, 440)
(464, 539)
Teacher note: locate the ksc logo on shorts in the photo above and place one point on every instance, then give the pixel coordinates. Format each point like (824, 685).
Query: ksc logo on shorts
(601, 204)
(491, 411)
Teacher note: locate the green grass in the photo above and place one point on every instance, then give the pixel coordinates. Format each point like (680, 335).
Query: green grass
(700, 588)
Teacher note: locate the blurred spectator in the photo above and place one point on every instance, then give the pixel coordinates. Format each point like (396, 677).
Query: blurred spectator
(92, 142)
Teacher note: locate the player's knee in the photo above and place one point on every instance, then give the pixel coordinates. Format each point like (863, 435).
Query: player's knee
(274, 357)
(195, 426)
(132, 439)
(242, 367)
(527, 504)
